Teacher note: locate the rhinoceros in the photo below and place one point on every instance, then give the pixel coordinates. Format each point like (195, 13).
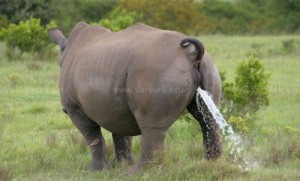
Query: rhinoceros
(134, 82)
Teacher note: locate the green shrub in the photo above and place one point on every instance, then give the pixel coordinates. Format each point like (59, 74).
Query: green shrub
(240, 124)
(119, 19)
(3, 21)
(249, 91)
(173, 15)
(228, 18)
(289, 23)
(27, 36)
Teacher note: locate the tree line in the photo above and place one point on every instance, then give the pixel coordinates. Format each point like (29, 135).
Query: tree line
(188, 16)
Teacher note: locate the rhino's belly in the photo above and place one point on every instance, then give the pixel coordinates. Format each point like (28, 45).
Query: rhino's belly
(112, 114)
(123, 125)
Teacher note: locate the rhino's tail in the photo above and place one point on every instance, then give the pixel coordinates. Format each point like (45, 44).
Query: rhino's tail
(199, 48)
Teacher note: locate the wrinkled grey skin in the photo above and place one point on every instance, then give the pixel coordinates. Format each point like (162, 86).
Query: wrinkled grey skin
(210, 78)
(133, 82)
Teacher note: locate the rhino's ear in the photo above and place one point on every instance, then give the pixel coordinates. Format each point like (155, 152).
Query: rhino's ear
(57, 37)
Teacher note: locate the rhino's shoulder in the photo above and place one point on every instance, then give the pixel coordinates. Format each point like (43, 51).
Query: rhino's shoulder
(87, 29)
(83, 32)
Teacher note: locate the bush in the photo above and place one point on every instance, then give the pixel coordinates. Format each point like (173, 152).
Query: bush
(173, 15)
(227, 18)
(238, 123)
(248, 93)
(119, 19)
(17, 11)
(3, 21)
(27, 36)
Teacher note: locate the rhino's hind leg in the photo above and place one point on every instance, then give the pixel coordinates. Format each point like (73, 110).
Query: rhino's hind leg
(122, 146)
(152, 145)
(210, 130)
(93, 136)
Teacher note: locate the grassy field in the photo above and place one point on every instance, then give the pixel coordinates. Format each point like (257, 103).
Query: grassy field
(39, 142)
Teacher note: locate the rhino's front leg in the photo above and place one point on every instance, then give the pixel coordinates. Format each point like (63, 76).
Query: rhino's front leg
(122, 146)
(98, 154)
(93, 136)
(211, 132)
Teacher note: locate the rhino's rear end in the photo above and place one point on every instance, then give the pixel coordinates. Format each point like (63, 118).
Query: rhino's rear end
(115, 77)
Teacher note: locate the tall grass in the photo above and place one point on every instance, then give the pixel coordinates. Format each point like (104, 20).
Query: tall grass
(39, 142)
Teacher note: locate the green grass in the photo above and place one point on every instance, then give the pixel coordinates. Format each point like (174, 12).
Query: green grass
(39, 142)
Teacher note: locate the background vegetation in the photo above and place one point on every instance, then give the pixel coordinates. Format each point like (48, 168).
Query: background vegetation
(188, 16)
(260, 83)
